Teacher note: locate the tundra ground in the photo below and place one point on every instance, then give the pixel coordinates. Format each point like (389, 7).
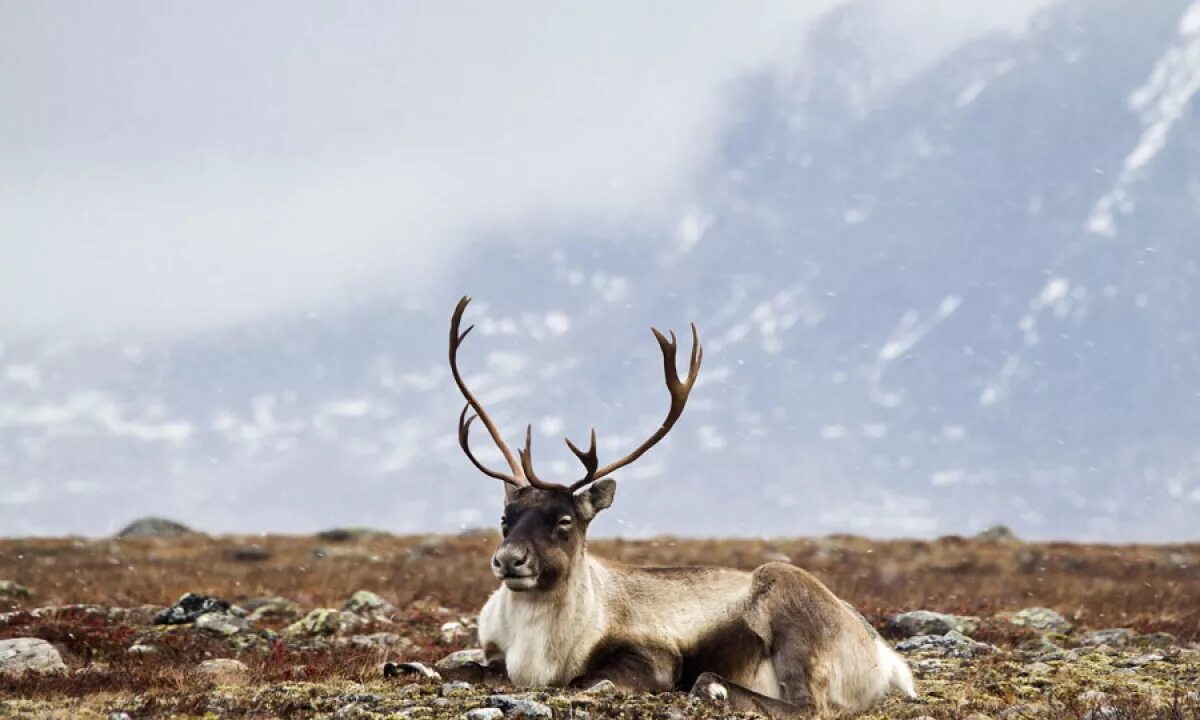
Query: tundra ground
(95, 600)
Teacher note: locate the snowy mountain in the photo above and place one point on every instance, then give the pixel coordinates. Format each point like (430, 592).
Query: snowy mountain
(927, 304)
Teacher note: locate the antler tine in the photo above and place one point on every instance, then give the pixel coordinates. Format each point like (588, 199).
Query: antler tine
(527, 464)
(464, 432)
(456, 340)
(589, 460)
(679, 391)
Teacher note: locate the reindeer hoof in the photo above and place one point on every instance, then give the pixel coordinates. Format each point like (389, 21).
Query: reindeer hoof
(711, 687)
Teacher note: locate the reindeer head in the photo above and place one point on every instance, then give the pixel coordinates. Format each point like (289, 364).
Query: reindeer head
(545, 524)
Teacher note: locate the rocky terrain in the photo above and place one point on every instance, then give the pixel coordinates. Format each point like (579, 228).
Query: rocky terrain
(161, 621)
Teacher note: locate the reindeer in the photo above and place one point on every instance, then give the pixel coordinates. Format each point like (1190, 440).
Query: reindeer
(774, 641)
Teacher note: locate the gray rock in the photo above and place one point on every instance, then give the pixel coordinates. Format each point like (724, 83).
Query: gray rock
(381, 640)
(13, 590)
(1105, 712)
(153, 527)
(604, 687)
(220, 623)
(191, 606)
(248, 553)
(365, 602)
(1155, 640)
(273, 609)
(952, 644)
(1038, 618)
(349, 534)
(321, 622)
(1115, 637)
(926, 622)
(1141, 660)
(34, 654)
(453, 688)
(1039, 668)
(119, 716)
(1092, 697)
(997, 533)
(223, 670)
(141, 649)
(461, 658)
(457, 631)
(489, 713)
(515, 707)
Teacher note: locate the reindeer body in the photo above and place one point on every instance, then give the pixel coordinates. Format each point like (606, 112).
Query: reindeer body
(676, 624)
(774, 640)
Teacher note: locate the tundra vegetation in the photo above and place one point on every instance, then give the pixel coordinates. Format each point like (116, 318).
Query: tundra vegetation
(301, 627)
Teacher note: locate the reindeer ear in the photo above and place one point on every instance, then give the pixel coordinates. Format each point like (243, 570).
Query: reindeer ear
(596, 497)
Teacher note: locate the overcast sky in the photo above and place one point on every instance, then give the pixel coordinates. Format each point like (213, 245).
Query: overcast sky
(169, 167)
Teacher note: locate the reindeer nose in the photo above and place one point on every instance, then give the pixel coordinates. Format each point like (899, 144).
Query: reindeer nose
(510, 560)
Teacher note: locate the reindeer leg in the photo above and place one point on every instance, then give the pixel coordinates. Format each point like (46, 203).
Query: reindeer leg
(631, 669)
(714, 688)
(477, 674)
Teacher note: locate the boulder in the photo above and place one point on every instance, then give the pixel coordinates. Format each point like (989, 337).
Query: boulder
(220, 623)
(272, 609)
(29, 654)
(952, 644)
(321, 622)
(462, 658)
(926, 622)
(1038, 618)
(189, 607)
(997, 533)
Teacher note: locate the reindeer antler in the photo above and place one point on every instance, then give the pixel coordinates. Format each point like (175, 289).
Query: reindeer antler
(522, 470)
(464, 423)
(679, 389)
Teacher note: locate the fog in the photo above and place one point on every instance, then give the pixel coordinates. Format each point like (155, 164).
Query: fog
(942, 257)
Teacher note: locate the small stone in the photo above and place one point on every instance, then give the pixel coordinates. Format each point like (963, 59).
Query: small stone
(461, 658)
(12, 590)
(952, 644)
(119, 716)
(141, 649)
(977, 716)
(271, 609)
(604, 687)
(189, 607)
(153, 527)
(320, 622)
(1104, 712)
(488, 713)
(926, 622)
(514, 707)
(348, 534)
(1115, 637)
(452, 688)
(32, 654)
(1141, 660)
(454, 631)
(248, 553)
(1092, 697)
(224, 671)
(1038, 618)
(1039, 668)
(365, 602)
(380, 640)
(1156, 640)
(220, 623)
(929, 665)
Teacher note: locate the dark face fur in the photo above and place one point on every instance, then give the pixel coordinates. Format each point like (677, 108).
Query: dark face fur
(544, 534)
